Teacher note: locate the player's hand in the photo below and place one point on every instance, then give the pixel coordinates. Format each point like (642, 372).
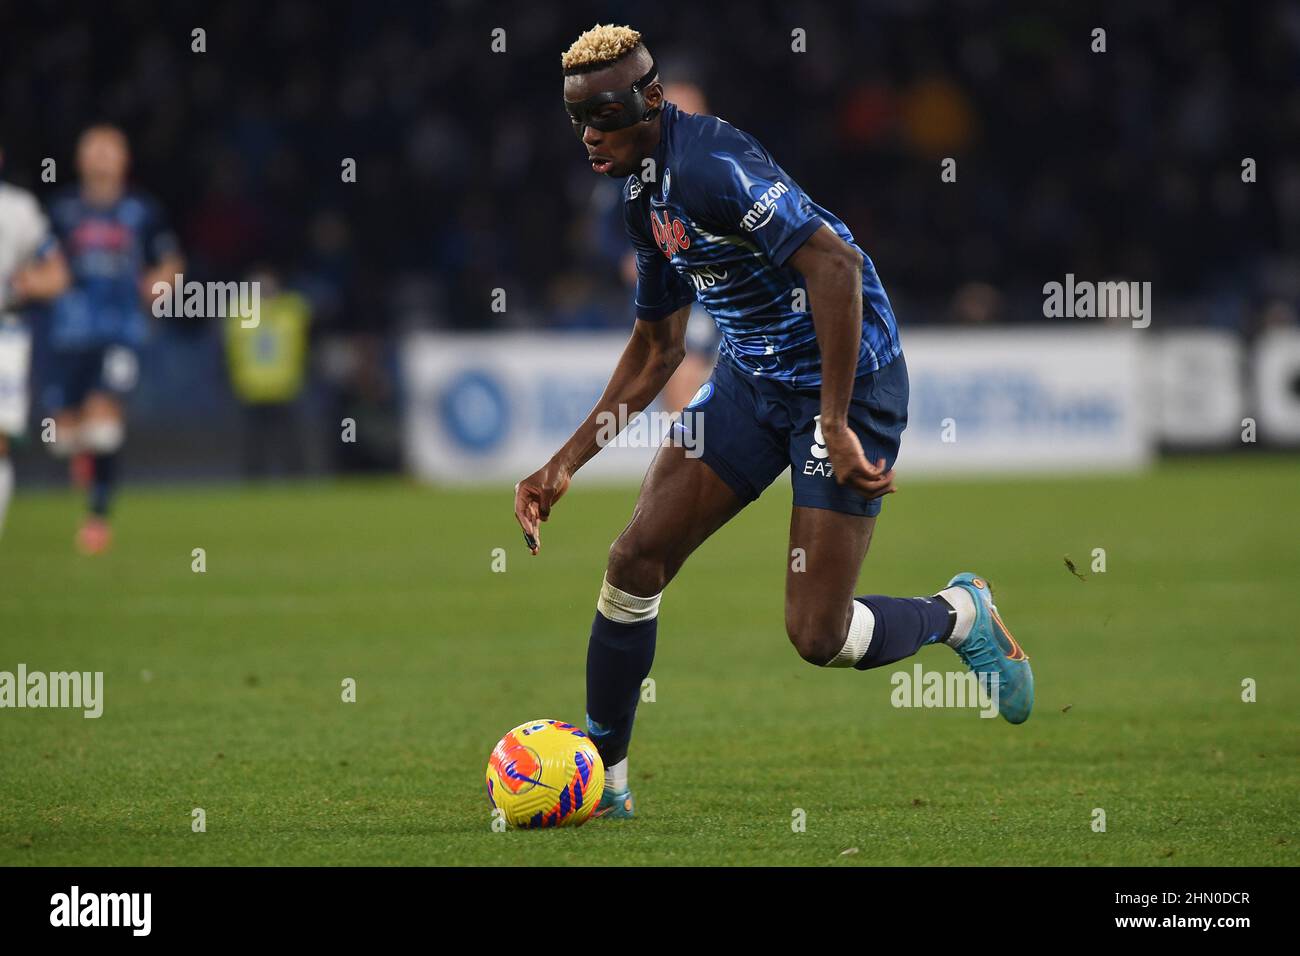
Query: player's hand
(851, 466)
(19, 284)
(534, 497)
(25, 285)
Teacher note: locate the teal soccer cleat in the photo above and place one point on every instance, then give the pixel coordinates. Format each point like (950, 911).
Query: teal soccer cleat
(990, 649)
(615, 806)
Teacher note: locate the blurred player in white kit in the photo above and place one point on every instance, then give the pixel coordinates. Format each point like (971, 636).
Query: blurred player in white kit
(32, 269)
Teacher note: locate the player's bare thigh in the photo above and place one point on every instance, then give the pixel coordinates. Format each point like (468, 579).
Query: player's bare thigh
(827, 549)
(97, 409)
(66, 423)
(682, 501)
(101, 407)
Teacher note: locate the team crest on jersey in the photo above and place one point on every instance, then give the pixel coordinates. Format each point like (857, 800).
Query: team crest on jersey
(670, 235)
(663, 193)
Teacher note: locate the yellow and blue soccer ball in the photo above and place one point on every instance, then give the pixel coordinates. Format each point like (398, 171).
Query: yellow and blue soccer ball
(545, 773)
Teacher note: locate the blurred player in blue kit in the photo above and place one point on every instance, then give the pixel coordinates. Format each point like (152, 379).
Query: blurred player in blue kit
(118, 245)
(810, 376)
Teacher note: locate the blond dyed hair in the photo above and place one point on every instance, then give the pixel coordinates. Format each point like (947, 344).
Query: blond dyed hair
(598, 47)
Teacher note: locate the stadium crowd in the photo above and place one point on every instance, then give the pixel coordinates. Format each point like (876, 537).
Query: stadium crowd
(243, 119)
(1126, 162)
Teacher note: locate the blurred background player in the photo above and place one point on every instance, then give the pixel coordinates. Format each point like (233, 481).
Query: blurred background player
(118, 245)
(32, 269)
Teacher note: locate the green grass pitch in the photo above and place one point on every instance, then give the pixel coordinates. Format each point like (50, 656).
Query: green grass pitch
(223, 689)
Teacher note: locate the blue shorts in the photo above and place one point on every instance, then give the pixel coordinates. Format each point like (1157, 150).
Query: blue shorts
(73, 374)
(749, 430)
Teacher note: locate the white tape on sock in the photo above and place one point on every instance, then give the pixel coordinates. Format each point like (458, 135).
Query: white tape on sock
(858, 640)
(624, 608)
(964, 605)
(616, 776)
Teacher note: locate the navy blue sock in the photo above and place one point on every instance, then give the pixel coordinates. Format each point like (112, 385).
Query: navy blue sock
(903, 627)
(618, 660)
(101, 486)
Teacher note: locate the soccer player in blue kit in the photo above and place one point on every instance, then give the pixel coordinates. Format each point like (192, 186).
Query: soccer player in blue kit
(118, 245)
(810, 376)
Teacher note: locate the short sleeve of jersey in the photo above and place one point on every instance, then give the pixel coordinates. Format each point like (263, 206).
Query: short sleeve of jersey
(743, 192)
(31, 233)
(660, 290)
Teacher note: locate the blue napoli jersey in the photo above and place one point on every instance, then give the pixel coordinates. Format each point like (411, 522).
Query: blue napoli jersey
(108, 250)
(719, 224)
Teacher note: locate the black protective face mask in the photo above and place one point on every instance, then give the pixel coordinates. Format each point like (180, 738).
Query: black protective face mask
(632, 99)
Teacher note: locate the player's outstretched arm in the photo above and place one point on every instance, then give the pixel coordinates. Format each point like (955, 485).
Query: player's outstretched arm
(833, 270)
(43, 279)
(651, 356)
(164, 271)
